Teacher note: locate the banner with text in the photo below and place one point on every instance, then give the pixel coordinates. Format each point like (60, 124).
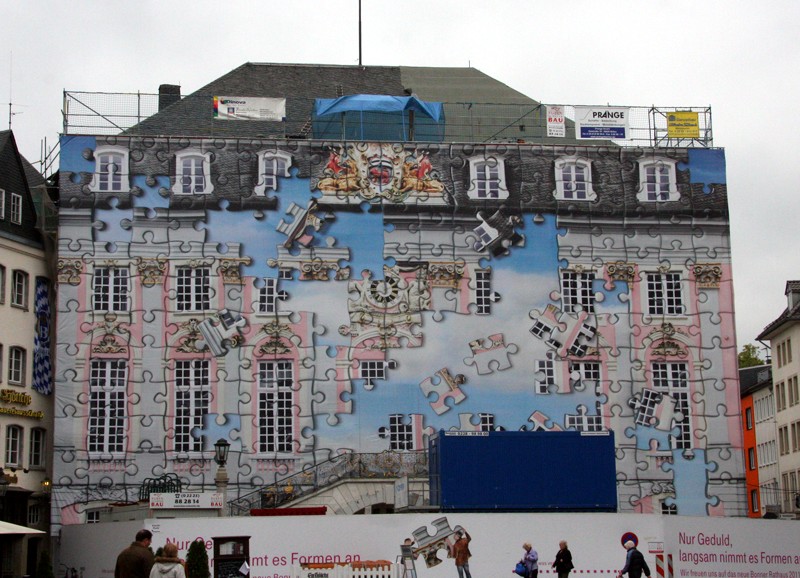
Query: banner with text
(603, 122)
(249, 108)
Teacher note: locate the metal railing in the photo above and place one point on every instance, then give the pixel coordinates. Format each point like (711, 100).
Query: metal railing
(103, 113)
(347, 466)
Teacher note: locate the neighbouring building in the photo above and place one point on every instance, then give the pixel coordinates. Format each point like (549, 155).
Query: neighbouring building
(26, 399)
(785, 368)
(760, 441)
(324, 292)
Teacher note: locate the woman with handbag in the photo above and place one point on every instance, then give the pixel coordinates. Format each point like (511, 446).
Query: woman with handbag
(531, 561)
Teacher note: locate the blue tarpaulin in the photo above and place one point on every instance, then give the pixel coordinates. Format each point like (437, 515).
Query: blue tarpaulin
(378, 117)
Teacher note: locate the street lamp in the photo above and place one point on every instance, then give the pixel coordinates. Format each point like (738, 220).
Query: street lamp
(221, 449)
(47, 486)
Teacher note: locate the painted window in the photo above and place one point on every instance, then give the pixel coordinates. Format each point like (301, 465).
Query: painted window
(13, 446)
(16, 209)
(584, 422)
(588, 375)
(401, 434)
(193, 173)
(2, 204)
(19, 289)
(110, 286)
(192, 397)
(193, 289)
(271, 165)
(754, 501)
(487, 178)
(748, 418)
(36, 450)
(2, 284)
(16, 365)
(574, 180)
(107, 413)
(268, 296)
(371, 370)
(657, 181)
(547, 376)
(664, 294)
(576, 291)
(751, 458)
(672, 379)
(486, 422)
(541, 329)
(93, 517)
(669, 510)
(483, 291)
(275, 406)
(111, 170)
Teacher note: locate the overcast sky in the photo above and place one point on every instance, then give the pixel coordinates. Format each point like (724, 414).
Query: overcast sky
(740, 57)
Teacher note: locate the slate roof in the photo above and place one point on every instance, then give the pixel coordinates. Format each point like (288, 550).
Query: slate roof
(789, 315)
(14, 179)
(752, 379)
(301, 84)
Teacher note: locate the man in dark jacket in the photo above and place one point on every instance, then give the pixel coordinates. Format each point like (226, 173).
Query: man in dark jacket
(136, 560)
(634, 563)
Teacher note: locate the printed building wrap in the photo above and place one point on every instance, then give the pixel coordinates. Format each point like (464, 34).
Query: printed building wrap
(311, 301)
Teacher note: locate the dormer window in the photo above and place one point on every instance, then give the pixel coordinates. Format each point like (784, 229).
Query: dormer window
(574, 180)
(193, 173)
(487, 178)
(657, 181)
(271, 165)
(16, 208)
(111, 170)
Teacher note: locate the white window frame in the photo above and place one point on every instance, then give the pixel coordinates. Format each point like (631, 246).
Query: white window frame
(193, 288)
(13, 453)
(193, 182)
(271, 165)
(36, 449)
(565, 187)
(17, 361)
(268, 296)
(15, 213)
(672, 378)
(108, 382)
(652, 190)
(577, 291)
(20, 287)
(401, 434)
(111, 289)
(487, 178)
(192, 402)
(664, 293)
(2, 204)
(34, 514)
(276, 399)
(114, 179)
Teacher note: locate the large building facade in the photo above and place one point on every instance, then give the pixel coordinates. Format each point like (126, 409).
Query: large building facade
(25, 366)
(307, 299)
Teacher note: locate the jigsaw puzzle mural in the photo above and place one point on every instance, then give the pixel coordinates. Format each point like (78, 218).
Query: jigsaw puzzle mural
(307, 299)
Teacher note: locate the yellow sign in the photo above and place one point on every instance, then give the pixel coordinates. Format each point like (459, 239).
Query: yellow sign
(683, 124)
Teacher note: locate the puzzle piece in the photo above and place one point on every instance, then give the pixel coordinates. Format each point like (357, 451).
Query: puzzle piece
(226, 331)
(214, 429)
(445, 387)
(428, 545)
(492, 356)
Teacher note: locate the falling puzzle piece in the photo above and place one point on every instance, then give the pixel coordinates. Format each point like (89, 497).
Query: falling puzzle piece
(487, 358)
(226, 329)
(447, 387)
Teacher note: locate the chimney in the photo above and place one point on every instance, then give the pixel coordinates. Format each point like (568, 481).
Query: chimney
(168, 94)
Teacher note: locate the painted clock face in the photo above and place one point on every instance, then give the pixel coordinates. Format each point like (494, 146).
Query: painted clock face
(385, 292)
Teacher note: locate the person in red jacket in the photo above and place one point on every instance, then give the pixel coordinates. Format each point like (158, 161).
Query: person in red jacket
(462, 554)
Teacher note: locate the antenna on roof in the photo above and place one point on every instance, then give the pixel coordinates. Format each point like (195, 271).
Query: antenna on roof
(359, 33)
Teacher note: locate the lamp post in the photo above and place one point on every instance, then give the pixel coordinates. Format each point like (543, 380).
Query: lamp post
(221, 449)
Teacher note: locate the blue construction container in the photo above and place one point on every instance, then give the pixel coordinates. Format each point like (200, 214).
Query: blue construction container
(523, 471)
